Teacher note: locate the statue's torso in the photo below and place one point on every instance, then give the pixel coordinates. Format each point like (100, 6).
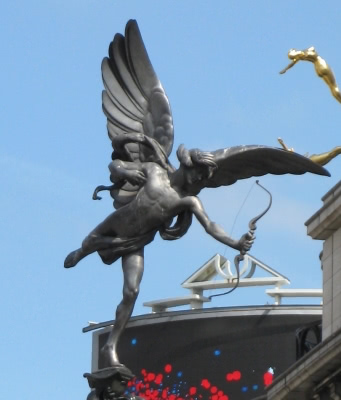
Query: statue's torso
(155, 203)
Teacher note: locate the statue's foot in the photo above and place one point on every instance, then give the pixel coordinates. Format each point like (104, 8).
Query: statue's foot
(72, 259)
(337, 150)
(109, 357)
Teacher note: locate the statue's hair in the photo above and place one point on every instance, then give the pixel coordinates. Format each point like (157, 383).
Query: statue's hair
(193, 157)
(190, 159)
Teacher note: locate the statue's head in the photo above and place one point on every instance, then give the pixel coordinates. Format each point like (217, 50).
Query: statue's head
(197, 164)
(301, 54)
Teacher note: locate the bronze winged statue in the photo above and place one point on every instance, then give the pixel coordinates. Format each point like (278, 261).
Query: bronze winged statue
(148, 192)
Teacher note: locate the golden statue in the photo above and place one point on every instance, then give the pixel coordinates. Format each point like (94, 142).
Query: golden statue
(321, 159)
(321, 67)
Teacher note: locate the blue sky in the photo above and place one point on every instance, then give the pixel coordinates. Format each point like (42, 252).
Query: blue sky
(219, 63)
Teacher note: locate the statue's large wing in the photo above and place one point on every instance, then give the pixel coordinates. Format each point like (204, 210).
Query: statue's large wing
(135, 103)
(243, 162)
(134, 100)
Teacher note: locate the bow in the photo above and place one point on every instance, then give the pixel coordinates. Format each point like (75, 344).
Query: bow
(240, 257)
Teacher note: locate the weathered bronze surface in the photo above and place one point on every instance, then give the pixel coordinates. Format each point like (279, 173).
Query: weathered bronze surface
(148, 191)
(322, 69)
(110, 384)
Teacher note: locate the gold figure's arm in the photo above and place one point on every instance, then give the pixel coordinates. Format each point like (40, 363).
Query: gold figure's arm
(288, 67)
(321, 67)
(285, 147)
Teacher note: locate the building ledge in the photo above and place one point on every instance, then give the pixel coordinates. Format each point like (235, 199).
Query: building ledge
(300, 379)
(328, 218)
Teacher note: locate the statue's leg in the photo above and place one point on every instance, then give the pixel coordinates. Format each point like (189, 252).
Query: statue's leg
(93, 242)
(132, 265)
(100, 238)
(74, 257)
(324, 158)
(336, 93)
(88, 246)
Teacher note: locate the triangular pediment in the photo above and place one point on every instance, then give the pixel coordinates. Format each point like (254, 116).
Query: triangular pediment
(219, 273)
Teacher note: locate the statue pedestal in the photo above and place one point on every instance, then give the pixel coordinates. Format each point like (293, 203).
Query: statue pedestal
(110, 384)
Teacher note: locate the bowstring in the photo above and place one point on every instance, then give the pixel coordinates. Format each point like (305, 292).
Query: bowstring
(232, 228)
(239, 211)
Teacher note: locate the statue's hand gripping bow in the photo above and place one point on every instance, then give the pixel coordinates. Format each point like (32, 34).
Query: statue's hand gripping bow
(252, 227)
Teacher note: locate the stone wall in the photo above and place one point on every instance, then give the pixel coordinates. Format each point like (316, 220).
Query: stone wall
(325, 225)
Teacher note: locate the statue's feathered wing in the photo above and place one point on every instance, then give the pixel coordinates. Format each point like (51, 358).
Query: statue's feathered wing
(241, 162)
(134, 101)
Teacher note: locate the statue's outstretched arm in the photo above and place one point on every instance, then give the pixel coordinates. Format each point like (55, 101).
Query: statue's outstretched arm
(288, 67)
(216, 231)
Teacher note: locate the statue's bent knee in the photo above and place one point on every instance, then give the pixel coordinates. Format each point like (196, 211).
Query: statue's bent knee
(88, 243)
(130, 294)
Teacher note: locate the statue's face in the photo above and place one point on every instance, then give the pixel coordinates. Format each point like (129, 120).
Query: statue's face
(294, 54)
(195, 174)
(311, 51)
(299, 54)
